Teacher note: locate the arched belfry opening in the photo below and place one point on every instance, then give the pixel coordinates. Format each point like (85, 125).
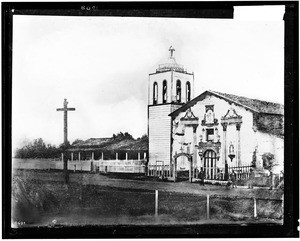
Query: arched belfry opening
(164, 93)
(155, 93)
(178, 91)
(188, 91)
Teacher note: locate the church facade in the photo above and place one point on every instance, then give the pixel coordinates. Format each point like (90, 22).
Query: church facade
(216, 132)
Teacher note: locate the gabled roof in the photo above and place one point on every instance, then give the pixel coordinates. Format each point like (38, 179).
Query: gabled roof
(254, 105)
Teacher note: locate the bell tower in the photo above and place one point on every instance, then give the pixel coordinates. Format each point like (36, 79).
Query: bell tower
(169, 87)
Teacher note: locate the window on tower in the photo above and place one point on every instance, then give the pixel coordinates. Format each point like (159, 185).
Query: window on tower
(178, 91)
(164, 94)
(188, 91)
(155, 93)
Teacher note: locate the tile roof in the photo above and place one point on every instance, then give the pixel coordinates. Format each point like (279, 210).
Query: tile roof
(106, 144)
(258, 105)
(93, 142)
(254, 105)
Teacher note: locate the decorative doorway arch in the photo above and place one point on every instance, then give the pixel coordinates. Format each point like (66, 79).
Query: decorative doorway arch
(190, 159)
(209, 164)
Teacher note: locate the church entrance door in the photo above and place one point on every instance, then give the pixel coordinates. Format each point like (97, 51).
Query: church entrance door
(209, 165)
(181, 174)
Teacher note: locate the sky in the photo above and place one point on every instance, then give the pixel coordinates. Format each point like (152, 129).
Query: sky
(101, 66)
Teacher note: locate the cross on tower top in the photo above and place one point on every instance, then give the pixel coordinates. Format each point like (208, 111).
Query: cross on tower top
(171, 49)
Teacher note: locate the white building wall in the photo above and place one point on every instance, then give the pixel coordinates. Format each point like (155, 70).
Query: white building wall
(272, 144)
(247, 135)
(159, 124)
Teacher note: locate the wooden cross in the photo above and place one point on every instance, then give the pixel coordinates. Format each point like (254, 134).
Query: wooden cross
(65, 110)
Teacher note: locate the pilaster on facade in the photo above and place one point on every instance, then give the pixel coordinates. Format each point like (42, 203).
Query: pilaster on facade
(232, 118)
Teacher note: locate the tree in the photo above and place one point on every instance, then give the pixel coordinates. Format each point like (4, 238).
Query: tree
(144, 137)
(122, 136)
(254, 158)
(62, 147)
(127, 135)
(268, 161)
(37, 149)
(268, 164)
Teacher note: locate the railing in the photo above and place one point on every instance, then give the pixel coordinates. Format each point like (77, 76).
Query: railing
(215, 173)
(159, 171)
(242, 172)
(121, 166)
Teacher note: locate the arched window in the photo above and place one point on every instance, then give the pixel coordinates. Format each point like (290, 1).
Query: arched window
(164, 94)
(178, 91)
(188, 91)
(155, 93)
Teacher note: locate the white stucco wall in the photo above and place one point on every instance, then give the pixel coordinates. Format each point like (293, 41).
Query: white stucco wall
(248, 138)
(272, 144)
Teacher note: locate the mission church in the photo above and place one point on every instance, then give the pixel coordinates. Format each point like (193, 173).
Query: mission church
(213, 131)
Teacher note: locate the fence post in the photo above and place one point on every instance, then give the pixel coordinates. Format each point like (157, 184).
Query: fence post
(116, 155)
(139, 156)
(102, 156)
(126, 156)
(72, 158)
(92, 162)
(78, 156)
(156, 203)
(207, 207)
(255, 211)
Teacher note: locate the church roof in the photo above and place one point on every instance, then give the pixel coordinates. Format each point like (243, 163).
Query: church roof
(254, 105)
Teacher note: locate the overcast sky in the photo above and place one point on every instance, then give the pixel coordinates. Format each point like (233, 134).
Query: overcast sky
(101, 65)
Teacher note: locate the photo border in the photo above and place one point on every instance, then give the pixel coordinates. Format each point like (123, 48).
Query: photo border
(167, 10)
